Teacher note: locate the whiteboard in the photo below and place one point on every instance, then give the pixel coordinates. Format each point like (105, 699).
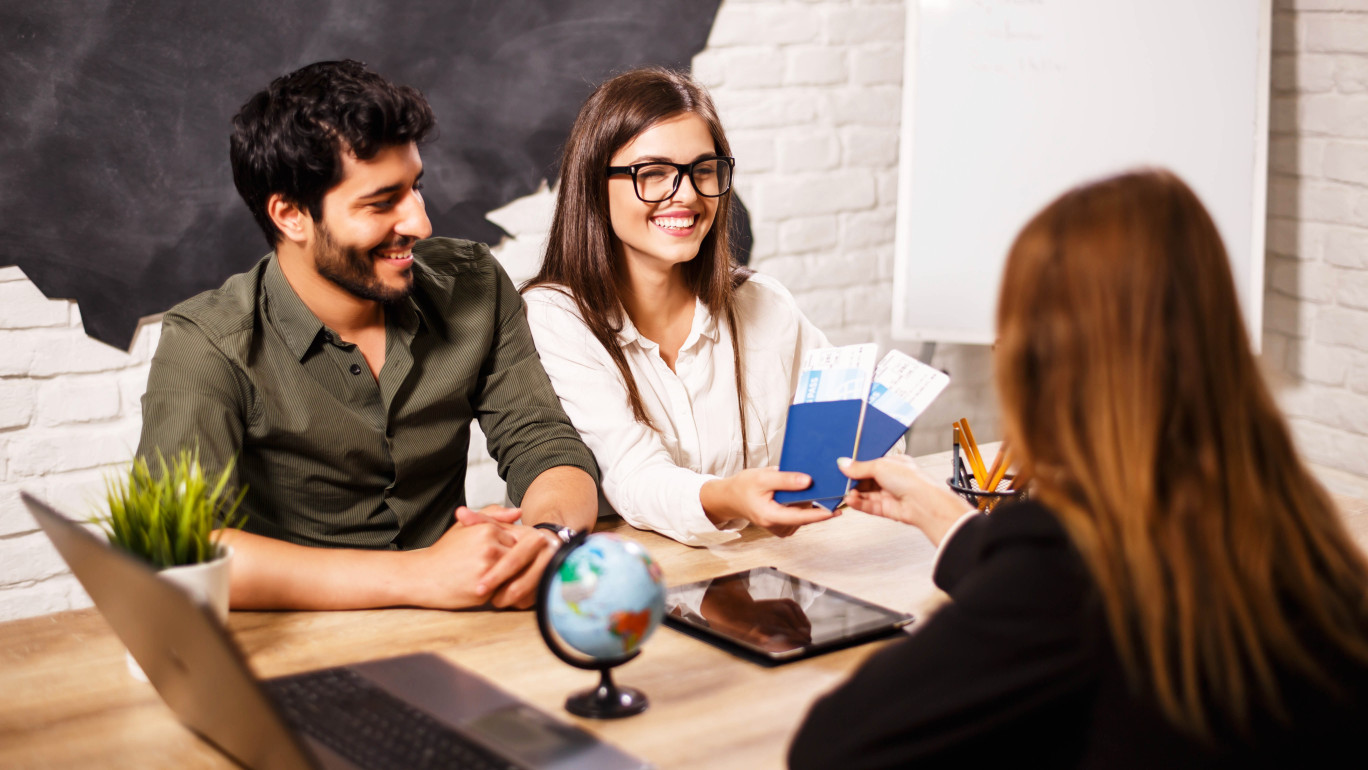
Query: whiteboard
(1008, 103)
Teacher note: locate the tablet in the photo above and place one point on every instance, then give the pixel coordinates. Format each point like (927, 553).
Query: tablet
(771, 616)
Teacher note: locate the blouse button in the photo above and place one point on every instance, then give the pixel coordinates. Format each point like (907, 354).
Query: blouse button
(356, 368)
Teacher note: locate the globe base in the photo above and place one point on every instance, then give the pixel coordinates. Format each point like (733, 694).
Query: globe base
(607, 701)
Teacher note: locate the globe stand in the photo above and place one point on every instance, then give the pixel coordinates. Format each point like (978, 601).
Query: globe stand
(607, 701)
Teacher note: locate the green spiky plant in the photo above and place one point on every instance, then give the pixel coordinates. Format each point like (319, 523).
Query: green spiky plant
(168, 518)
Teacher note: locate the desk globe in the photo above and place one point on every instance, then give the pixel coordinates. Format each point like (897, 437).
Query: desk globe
(602, 596)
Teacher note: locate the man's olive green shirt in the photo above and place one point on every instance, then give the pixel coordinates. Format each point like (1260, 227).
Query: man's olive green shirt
(330, 455)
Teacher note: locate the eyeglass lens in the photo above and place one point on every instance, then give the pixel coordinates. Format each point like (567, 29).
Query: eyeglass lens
(656, 181)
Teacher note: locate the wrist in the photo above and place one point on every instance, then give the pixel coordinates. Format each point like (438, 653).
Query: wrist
(577, 518)
(947, 513)
(562, 533)
(412, 584)
(425, 581)
(716, 498)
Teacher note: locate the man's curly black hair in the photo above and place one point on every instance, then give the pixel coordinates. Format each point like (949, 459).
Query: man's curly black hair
(289, 138)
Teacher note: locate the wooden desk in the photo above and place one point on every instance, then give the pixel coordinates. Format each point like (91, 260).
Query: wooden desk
(66, 699)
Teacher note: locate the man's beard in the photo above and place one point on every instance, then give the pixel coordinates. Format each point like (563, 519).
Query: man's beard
(353, 270)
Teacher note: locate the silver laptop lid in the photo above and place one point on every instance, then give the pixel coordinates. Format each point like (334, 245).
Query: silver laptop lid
(181, 647)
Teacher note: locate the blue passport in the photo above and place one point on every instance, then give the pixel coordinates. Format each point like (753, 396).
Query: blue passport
(821, 432)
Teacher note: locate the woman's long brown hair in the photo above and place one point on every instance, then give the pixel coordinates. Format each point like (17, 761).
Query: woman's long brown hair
(1132, 398)
(581, 254)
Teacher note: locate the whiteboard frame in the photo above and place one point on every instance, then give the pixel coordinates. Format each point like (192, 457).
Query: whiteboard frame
(902, 241)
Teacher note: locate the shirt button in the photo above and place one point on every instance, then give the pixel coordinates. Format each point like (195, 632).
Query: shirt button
(327, 337)
(356, 368)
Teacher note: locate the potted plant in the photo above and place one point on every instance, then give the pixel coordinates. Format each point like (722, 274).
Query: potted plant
(171, 520)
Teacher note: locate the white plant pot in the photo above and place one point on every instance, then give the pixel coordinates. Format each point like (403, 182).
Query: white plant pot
(206, 582)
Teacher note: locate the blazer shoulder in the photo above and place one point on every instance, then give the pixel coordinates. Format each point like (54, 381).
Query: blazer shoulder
(1027, 519)
(1024, 536)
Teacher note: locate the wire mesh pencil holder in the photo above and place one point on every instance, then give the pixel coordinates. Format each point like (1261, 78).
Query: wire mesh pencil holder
(987, 500)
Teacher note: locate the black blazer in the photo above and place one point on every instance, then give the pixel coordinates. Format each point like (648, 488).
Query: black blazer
(1020, 669)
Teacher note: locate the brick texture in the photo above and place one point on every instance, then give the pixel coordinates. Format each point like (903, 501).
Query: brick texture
(1316, 307)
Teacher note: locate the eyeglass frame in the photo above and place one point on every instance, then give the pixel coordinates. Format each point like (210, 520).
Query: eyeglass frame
(681, 169)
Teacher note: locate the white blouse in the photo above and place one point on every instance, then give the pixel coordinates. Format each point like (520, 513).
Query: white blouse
(653, 478)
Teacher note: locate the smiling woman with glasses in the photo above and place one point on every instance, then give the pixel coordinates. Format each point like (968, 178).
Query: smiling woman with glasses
(675, 363)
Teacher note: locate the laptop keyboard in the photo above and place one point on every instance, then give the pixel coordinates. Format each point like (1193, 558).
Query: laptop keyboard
(372, 728)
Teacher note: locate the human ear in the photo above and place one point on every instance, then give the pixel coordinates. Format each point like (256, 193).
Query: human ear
(294, 223)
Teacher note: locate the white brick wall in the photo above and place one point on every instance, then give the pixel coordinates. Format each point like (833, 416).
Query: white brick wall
(69, 413)
(1316, 306)
(817, 159)
(810, 95)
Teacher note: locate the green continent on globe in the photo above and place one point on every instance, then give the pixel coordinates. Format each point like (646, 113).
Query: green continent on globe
(579, 579)
(605, 598)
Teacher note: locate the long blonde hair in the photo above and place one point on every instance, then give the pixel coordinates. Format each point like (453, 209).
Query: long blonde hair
(1132, 397)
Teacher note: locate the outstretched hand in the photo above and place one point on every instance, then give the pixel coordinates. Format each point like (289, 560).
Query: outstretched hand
(895, 488)
(749, 495)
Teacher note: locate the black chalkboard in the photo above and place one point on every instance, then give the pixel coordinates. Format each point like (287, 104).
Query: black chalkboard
(115, 188)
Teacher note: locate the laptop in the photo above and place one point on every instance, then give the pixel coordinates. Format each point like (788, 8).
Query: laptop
(406, 712)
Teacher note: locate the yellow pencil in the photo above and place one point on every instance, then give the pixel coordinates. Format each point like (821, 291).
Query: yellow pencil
(1000, 466)
(971, 448)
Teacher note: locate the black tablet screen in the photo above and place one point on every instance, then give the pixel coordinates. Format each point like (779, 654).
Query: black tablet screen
(777, 615)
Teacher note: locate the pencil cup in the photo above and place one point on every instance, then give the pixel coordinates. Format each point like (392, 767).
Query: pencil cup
(987, 500)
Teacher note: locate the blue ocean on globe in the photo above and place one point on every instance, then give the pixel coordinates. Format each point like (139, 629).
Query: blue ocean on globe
(607, 597)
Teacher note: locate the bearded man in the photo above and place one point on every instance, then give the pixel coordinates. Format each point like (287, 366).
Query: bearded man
(341, 373)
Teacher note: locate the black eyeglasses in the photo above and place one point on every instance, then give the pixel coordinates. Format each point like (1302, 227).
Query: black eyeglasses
(658, 181)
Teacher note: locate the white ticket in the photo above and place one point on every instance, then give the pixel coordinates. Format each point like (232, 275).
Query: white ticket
(836, 374)
(904, 386)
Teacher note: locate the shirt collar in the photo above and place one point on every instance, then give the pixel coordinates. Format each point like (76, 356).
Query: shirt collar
(301, 328)
(291, 317)
(704, 325)
(407, 315)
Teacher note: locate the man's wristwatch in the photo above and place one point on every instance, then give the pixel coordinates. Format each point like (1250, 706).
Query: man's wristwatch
(564, 533)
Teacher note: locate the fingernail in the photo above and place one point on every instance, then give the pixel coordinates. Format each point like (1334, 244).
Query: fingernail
(842, 462)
